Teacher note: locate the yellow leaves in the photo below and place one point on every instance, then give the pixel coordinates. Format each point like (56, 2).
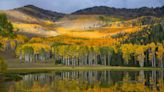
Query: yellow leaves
(21, 39)
(160, 52)
(37, 47)
(47, 22)
(152, 46)
(127, 50)
(139, 49)
(36, 40)
(76, 41)
(139, 54)
(67, 50)
(80, 33)
(21, 25)
(115, 49)
(64, 85)
(37, 88)
(13, 44)
(129, 86)
(35, 29)
(11, 88)
(88, 30)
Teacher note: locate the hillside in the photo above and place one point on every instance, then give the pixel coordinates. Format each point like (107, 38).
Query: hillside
(122, 13)
(40, 13)
(100, 26)
(33, 21)
(78, 39)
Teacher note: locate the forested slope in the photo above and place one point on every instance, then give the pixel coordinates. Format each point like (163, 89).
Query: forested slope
(87, 40)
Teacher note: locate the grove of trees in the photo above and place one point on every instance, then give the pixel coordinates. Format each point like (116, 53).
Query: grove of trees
(75, 55)
(144, 48)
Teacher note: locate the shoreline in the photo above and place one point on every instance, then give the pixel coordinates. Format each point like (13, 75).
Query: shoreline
(81, 68)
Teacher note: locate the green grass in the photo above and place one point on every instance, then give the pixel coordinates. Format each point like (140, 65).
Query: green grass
(12, 77)
(15, 67)
(82, 68)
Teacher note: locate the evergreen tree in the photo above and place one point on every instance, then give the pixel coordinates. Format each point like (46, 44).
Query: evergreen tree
(6, 28)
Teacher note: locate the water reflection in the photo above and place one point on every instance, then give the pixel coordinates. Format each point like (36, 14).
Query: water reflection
(88, 81)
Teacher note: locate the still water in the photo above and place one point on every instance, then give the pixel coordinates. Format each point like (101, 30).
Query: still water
(88, 81)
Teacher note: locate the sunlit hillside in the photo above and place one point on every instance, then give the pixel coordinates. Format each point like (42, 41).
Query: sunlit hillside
(26, 22)
(99, 26)
(30, 25)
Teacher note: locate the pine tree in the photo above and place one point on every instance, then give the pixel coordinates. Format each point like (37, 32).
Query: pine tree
(6, 28)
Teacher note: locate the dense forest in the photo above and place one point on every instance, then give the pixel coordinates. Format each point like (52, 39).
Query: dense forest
(144, 48)
(122, 12)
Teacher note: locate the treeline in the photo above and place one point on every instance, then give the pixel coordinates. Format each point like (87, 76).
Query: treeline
(147, 35)
(140, 21)
(150, 33)
(75, 55)
(146, 55)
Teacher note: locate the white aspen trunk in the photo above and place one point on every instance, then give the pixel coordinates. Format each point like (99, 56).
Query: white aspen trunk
(20, 57)
(142, 76)
(141, 63)
(89, 59)
(68, 61)
(105, 60)
(109, 59)
(31, 58)
(65, 60)
(153, 60)
(86, 58)
(96, 60)
(154, 78)
(74, 61)
(27, 58)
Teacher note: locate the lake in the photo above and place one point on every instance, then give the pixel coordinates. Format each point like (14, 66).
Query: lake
(87, 81)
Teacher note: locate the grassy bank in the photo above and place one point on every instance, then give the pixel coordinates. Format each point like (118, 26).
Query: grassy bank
(15, 66)
(83, 68)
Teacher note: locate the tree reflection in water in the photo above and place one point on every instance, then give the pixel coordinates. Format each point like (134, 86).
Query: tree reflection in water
(90, 81)
(2, 84)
